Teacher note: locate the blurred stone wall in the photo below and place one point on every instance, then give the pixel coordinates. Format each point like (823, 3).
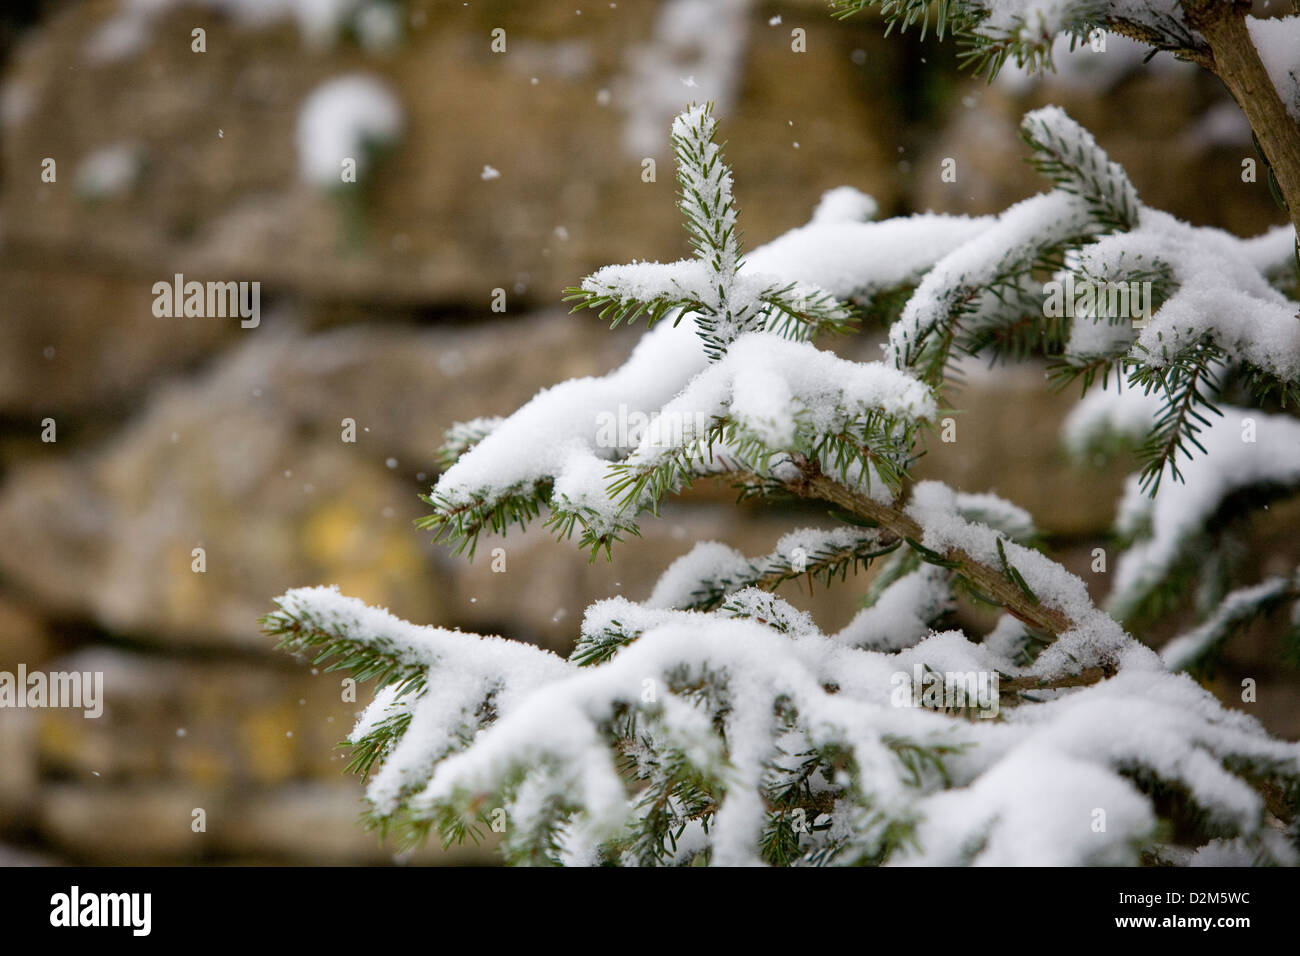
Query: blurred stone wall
(176, 434)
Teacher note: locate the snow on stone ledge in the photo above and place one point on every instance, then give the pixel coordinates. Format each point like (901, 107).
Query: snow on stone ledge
(344, 119)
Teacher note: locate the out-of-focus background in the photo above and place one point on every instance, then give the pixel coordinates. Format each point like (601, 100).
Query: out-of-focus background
(478, 171)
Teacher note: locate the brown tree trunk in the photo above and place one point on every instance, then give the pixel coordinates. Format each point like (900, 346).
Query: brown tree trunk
(1236, 61)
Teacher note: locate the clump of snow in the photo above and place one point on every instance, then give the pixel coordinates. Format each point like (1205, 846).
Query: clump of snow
(345, 118)
(1271, 252)
(844, 204)
(1182, 651)
(1278, 43)
(707, 562)
(771, 610)
(851, 259)
(1033, 808)
(712, 567)
(1166, 525)
(1220, 292)
(976, 264)
(901, 616)
(996, 512)
(1119, 411)
(555, 435)
(110, 170)
(1095, 637)
(770, 386)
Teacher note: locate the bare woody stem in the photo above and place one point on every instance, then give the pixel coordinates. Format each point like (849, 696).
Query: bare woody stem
(988, 580)
(1233, 57)
(1022, 685)
(1154, 38)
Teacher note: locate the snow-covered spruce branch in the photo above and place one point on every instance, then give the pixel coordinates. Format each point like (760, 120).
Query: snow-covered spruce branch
(745, 735)
(987, 295)
(726, 303)
(1094, 231)
(982, 558)
(704, 578)
(977, 287)
(981, 294)
(909, 595)
(767, 397)
(1198, 650)
(422, 674)
(1217, 317)
(1209, 304)
(1172, 542)
(1204, 280)
(715, 722)
(991, 33)
(1067, 154)
(1257, 59)
(463, 436)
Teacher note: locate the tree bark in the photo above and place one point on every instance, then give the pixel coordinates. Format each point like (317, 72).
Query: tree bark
(1235, 60)
(991, 581)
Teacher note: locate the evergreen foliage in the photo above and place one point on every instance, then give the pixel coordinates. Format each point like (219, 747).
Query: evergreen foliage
(716, 723)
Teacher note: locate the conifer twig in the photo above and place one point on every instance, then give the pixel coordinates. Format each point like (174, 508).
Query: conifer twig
(812, 483)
